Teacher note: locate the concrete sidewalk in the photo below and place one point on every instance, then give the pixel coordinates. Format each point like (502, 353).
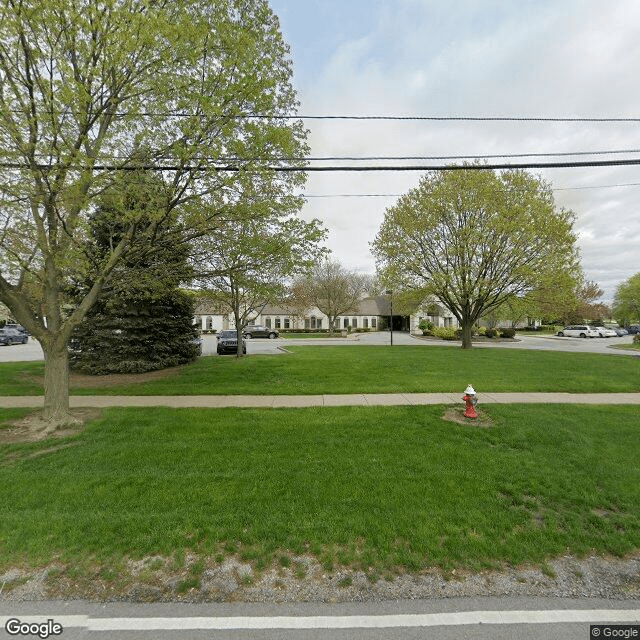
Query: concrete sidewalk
(356, 400)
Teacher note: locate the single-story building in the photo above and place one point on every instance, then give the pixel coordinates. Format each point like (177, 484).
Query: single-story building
(373, 313)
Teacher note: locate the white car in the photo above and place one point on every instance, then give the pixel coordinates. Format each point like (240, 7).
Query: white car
(603, 332)
(579, 331)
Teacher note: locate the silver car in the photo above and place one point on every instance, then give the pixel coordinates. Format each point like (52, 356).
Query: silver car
(605, 332)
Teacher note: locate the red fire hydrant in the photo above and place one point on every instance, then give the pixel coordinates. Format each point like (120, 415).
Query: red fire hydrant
(472, 400)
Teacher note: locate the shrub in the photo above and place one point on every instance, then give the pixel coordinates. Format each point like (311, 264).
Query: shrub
(507, 333)
(490, 333)
(551, 328)
(636, 338)
(426, 326)
(445, 333)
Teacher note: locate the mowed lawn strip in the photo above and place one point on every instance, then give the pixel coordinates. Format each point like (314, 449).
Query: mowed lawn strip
(363, 369)
(382, 488)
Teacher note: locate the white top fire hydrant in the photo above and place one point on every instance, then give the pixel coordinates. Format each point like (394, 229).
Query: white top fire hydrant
(471, 399)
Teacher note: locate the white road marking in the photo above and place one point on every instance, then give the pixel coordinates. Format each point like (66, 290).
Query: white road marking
(339, 622)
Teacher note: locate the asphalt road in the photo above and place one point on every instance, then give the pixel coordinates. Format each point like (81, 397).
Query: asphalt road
(33, 351)
(454, 618)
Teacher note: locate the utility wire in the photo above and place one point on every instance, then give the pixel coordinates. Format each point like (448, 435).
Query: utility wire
(299, 169)
(264, 116)
(469, 156)
(398, 195)
(456, 118)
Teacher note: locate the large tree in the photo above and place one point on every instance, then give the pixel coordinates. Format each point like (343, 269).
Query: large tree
(626, 304)
(473, 238)
(90, 89)
(245, 265)
(332, 288)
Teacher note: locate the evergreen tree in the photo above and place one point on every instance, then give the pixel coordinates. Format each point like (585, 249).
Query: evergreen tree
(143, 320)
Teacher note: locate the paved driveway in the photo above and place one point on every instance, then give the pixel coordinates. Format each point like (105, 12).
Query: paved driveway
(22, 352)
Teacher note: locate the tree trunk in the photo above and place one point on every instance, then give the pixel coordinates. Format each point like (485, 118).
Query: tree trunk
(467, 332)
(236, 316)
(56, 387)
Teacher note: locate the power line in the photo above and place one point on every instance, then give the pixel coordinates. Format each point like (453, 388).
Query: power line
(353, 195)
(300, 169)
(428, 118)
(398, 195)
(460, 118)
(469, 156)
(598, 186)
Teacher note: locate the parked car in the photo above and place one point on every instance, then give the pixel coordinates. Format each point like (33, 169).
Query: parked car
(621, 332)
(259, 331)
(633, 329)
(228, 342)
(17, 327)
(604, 332)
(12, 336)
(579, 331)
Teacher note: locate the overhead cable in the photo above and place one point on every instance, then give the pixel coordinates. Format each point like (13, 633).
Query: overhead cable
(456, 118)
(304, 169)
(431, 118)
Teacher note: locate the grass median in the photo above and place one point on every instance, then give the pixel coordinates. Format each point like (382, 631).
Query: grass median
(385, 489)
(359, 369)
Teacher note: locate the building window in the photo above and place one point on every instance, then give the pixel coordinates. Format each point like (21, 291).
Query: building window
(313, 323)
(277, 325)
(267, 323)
(209, 323)
(365, 323)
(354, 323)
(287, 323)
(374, 323)
(345, 323)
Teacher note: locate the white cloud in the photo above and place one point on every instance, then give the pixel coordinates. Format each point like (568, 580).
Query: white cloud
(475, 57)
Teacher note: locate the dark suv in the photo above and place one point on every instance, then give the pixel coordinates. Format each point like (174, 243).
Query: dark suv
(17, 327)
(9, 335)
(259, 331)
(228, 342)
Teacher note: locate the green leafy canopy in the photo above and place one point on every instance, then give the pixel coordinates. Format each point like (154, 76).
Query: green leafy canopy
(473, 238)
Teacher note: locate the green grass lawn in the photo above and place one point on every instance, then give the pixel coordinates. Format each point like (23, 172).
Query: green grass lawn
(382, 488)
(368, 369)
(634, 346)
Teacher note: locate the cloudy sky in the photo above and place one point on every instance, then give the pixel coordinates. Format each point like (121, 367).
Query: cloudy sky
(476, 58)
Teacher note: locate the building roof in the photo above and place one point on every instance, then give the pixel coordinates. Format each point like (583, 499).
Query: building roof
(207, 308)
(373, 306)
(376, 306)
